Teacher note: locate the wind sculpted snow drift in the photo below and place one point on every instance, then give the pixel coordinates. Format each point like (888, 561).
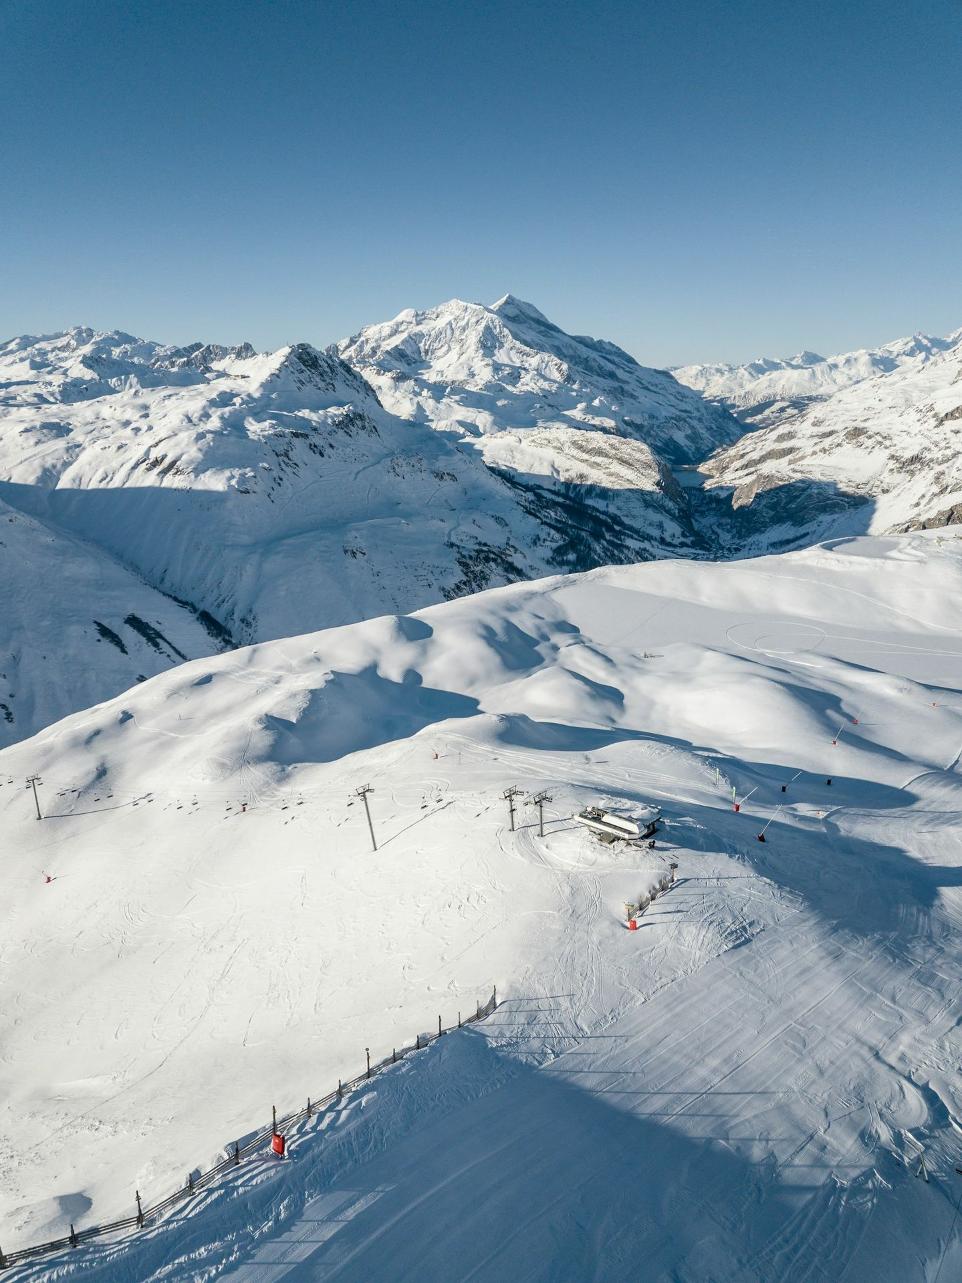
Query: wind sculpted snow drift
(737, 1091)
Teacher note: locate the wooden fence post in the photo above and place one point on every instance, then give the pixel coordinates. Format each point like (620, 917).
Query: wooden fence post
(140, 1211)
(308, 1106)
(237, 1153)
(73, 1236)
(440, 1031)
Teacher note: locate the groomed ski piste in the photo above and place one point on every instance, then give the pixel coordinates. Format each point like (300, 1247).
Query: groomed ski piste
(741, 1089)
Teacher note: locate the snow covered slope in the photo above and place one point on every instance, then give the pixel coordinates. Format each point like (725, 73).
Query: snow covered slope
(765, 392)
(509, 378)
(880, 456)
(76, 627)
(275, 493)
(737, 1091)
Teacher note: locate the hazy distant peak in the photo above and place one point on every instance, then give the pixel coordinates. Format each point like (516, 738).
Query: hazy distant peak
(769, 389)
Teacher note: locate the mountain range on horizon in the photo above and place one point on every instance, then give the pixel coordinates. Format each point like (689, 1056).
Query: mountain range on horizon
(767, 390)
(210, 496)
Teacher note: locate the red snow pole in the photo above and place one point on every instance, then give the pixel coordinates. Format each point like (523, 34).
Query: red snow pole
(278, 1143)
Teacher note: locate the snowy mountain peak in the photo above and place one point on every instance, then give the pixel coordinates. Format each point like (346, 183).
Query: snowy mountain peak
(79, 345)
(484, 370)
(805, 358)
(508, 305)
(83, 364)
(301, 367)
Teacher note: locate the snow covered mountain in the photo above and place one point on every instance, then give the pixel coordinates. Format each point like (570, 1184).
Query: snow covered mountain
(533, 398)
(76, 626)
(883, 455)
(230, 496)
(765, 392)
(274, 494)
(737, 1091)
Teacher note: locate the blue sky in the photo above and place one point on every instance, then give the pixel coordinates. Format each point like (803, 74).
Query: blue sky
(694, 180)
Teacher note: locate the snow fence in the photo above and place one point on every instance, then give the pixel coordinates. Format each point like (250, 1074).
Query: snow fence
(239, 1152)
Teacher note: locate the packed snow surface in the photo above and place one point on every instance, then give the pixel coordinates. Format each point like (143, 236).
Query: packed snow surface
(739, 1090)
